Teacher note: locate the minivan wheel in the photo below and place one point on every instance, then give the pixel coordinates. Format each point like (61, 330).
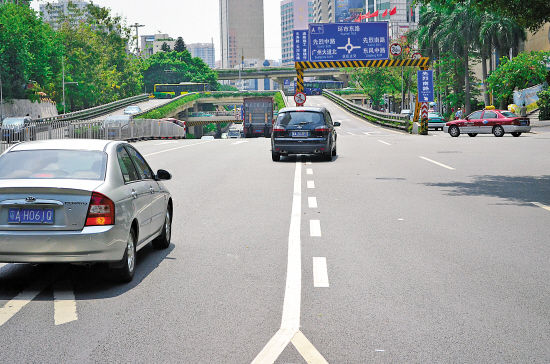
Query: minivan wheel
(275, 157)
(163, 240)
(334, 151)
(498, 131)
(516, 134)
(473, 135)
(124, 270)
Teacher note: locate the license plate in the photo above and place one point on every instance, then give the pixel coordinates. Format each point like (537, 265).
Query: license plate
(259, 130)
(523, 122)
(30, 216)
(299, 134)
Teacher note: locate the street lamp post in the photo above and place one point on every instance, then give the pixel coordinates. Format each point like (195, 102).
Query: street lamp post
(65, 83)
(137, 26)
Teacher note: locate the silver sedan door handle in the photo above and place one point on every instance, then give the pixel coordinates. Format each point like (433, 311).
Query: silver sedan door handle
(134, 194)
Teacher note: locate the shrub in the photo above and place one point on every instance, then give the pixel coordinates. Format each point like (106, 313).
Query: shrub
(544, 104)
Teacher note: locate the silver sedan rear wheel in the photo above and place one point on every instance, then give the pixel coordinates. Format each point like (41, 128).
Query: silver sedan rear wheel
(124, 270)
(163, 240)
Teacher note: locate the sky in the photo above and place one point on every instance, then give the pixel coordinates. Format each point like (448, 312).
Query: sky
(197, 21)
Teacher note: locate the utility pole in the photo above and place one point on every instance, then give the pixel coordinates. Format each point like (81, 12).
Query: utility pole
(65, 83)
(137, 26)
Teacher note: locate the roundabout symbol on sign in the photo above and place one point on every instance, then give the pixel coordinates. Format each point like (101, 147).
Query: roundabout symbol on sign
(300, 98)
(395, 49)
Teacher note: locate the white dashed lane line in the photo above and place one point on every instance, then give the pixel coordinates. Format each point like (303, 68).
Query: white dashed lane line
(310, 184)
(64, 303)
(383, 142)
(315, 228)
(436, 163)
(320, 272)
(309, 171)
(312, 202)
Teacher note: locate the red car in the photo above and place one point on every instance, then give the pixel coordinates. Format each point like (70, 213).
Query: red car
(496, 122)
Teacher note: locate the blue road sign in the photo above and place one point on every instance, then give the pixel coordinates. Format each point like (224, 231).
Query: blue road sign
(348, 41)
(287, 82)
(301, 45)
(425, 86)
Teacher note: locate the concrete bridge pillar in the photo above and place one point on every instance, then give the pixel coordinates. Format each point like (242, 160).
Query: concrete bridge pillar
(344, 77)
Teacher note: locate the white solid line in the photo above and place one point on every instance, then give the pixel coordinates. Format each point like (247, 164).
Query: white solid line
(307, 350)
(21, 300)
(320, 274)
(310, 184)
(290, 322)
(309, 171)
(64, 303)
(164, 143)
(312, 202)
(314, 228)
(240, 142)
(171, 149)
(439, 164)
(541, 205)
(383, 142)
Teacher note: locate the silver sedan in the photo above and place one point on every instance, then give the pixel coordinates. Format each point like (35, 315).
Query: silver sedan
(81, 201)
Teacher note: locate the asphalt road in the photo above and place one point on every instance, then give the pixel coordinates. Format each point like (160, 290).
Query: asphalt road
(403, 249)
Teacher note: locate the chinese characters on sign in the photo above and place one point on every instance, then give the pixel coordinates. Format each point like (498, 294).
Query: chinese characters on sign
(301, 45)
(348, 41)
(425, 86)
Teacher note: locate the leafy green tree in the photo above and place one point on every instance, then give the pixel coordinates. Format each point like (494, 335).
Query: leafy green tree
(179, 46)
(525, 70)
(29, 53)
(165, 47)
(174, 67)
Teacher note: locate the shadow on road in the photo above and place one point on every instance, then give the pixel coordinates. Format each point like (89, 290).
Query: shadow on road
(521, 190)
(89, 282)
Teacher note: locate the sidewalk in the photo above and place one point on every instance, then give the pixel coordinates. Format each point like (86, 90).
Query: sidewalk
(540, 123)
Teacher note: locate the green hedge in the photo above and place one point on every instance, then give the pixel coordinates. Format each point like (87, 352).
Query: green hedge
(544, 104)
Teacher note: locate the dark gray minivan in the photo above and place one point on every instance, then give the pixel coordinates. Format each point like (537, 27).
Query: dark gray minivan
(304, 130)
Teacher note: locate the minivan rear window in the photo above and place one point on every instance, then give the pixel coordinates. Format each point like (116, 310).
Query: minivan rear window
(53, 164)
(306, 119)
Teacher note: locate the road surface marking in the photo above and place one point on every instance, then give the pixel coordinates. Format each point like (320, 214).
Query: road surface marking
(312, 202)
(309, 171)
(350, 133)
(307, 350)
(310, 184)
(290, 322)
(64, 303)
(176, 148)
(541, 205)
(308, 163)
(380, 350)
(439, 164)
(400, 219)
(320, 274)
(164, 143)
(314, 228)
(21, 300)
(383, 142)
(240, 142)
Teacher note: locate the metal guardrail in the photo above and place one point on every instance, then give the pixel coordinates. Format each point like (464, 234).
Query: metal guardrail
(136, 129)
(284, 97)
(97, 111)
(398, 121)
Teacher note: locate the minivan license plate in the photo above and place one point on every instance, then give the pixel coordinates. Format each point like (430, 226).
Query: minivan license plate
(299, 134)
(30, 216)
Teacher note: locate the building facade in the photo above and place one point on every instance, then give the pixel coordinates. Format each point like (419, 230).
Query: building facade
(241, 31)
(204, 51)
(295, 15)
(151, 44)
(323, 11)
(55, 13)
(539, 41)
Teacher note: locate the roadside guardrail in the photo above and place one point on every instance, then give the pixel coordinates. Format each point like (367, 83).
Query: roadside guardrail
(398, 121)
(97, 111)
(136, 129)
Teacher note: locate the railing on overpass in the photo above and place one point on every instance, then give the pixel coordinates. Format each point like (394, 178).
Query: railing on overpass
(137, 129)
(398, 121)
(201, 114)
(97, 111)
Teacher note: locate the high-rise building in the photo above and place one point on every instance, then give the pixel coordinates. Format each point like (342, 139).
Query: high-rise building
(323, 11)
(151, 44)
(204, 51)
(295, 15)
(55, 13)
(242, 31)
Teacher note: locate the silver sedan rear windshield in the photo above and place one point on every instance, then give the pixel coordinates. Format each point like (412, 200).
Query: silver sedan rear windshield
(295, 118)
(53, 164)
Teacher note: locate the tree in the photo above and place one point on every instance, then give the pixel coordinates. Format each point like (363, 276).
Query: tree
(179, 46)
(165, 47)
(174, 67)
(531, 15)
(525, 70)
(30, 56)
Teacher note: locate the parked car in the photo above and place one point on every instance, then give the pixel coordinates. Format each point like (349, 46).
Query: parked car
(90, 200)
(497, 122)
(436, 121)
(132, 110)
(18, 129)
(304, 130)
(233, 133)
